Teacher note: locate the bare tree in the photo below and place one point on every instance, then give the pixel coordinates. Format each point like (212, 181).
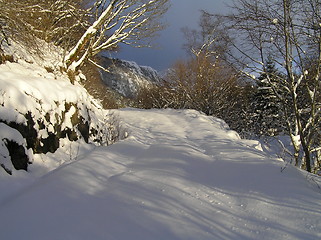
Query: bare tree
(200, 83)
(209, 40)
(83, 28)
(289, 32)
(131, 22)
(205, 81)
(57, 21)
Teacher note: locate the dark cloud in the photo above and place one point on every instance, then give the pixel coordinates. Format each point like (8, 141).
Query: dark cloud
(183, 13)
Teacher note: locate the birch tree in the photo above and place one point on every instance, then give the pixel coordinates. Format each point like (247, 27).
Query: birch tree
(289, 32)
(131, 22)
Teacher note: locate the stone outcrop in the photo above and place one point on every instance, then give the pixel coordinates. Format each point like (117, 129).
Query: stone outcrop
(51, 132)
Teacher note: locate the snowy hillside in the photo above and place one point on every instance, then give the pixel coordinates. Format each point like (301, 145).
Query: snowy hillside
(127, 77)
(41, 111)
(179, 175)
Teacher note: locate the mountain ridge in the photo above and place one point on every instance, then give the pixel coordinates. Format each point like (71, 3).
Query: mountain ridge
(127, 77)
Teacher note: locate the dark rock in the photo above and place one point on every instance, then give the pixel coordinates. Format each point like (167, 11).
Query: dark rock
(83, 128)
(27, 131)
(49, 144)
(72, 135)
(19, 158)
(80, 129)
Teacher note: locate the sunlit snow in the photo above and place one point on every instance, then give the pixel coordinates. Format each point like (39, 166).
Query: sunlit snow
(180, 175)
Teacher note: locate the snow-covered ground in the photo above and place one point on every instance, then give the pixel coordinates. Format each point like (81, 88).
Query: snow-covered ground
(179, 175)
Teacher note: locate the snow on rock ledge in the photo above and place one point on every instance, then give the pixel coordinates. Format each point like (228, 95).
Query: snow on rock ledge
(38, 109)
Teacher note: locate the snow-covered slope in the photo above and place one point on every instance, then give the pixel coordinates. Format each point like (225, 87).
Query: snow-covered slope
(40, 109)
(127, 77)
(179, 175)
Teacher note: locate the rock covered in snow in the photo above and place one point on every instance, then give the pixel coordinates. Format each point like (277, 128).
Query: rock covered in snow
(39, 108)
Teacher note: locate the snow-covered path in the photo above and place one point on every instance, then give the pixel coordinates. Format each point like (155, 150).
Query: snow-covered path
(179, 175)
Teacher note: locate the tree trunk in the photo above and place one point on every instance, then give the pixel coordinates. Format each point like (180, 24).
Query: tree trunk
(74, 58)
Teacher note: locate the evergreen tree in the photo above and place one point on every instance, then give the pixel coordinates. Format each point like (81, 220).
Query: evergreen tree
(266, 107)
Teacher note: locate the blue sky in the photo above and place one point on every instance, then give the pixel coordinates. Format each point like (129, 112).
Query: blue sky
(183, 13)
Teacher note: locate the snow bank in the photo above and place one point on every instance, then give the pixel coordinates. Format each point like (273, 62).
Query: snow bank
(45, 107)
(179, 175)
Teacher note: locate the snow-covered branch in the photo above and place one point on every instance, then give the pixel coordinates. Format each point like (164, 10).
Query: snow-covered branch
(120, 21)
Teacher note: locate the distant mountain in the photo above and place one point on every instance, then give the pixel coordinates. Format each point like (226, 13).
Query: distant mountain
(126, 77)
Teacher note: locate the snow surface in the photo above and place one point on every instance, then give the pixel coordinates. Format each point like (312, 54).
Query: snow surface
(179, 175)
